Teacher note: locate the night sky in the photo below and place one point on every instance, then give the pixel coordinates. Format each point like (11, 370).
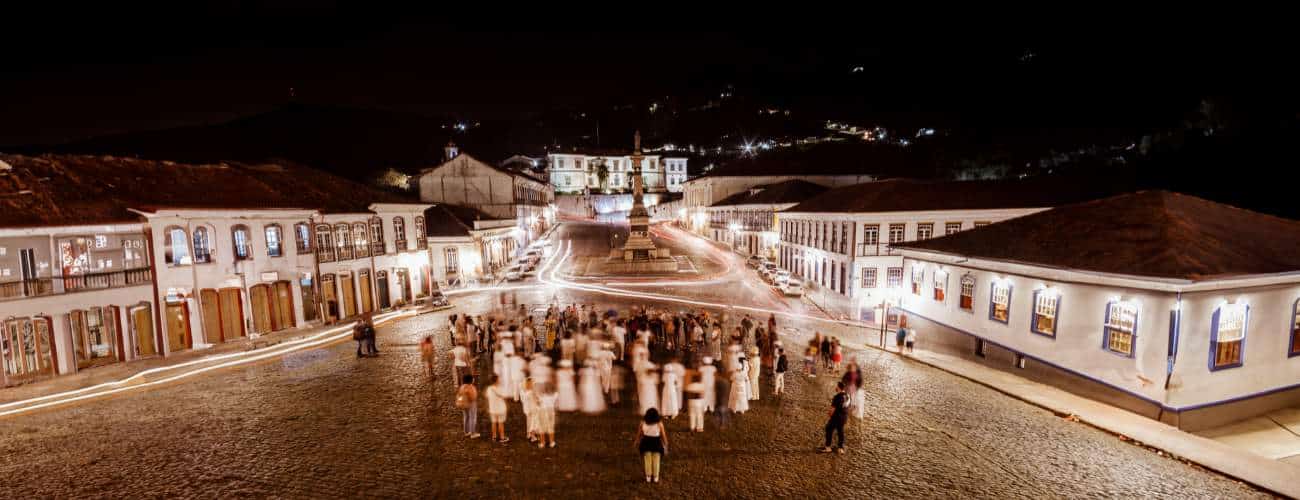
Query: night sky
(98, 72)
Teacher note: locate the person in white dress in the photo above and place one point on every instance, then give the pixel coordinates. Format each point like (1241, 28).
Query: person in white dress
(593, 398)
(546, 403)
(739, 400)
(671, 402)
(516, 368)
(605, 367)
(708, 374)
(640, 355)
(567, 398)
(755, 368)
(530, 403)
(695, 405)
(647, 386)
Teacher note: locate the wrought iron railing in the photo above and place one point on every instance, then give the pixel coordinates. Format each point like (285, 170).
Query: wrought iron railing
(74, 283)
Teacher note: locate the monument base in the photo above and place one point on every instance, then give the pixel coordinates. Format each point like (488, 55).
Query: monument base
(638, 266)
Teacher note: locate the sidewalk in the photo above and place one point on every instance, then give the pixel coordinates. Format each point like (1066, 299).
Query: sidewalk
(1273, 475)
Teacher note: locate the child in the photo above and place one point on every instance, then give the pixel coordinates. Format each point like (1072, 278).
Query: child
(781, 367)
(911, 339)
(546, 416)
(496, 396)
(467, 401)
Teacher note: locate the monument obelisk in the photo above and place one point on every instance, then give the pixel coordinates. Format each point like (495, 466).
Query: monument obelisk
(638, 246)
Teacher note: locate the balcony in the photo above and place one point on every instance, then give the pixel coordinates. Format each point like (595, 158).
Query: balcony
(76, 283)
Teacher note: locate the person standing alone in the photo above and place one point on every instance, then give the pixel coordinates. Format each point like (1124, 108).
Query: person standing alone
(652, 442)
(779, 373)
(839, 414)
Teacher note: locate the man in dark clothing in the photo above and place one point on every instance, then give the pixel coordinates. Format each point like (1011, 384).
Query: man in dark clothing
(839, 415)
(825, 351)
(369, 326)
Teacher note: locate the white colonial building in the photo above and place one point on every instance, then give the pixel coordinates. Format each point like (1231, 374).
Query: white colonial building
(747, 221)
(579, 172)
(499, 193)
(841, 243)
(467, 245)
(1167, 305)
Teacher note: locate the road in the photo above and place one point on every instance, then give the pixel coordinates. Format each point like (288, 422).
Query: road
(322, 423)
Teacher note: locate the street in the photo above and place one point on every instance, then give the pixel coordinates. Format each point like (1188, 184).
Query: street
(323, 423)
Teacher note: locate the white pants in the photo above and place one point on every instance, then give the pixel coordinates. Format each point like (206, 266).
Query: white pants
(696, 408)
(780, 383)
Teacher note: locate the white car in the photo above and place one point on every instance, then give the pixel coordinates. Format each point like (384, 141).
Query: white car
(781, 276)
(515, 273)
(792, 288)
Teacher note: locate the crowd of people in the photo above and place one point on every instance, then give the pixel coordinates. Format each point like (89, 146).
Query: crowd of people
(573, 358)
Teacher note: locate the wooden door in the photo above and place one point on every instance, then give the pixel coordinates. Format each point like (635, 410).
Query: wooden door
(330, 295)
(382, 283)
(28, 349)
(142, 325)
(260, 295)
(211, 316)
(113, 318)
(284, 305)
(232, 314)
(367, 302)
(177, 319)
(349, 296)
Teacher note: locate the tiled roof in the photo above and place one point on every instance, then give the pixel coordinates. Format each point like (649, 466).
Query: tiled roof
(512, 173)
(792, 191)
(1148, 233)
(901, 195)
(451, 220)
(54, 190)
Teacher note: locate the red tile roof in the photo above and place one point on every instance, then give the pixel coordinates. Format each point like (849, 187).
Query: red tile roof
(55, 190)
(901, 195)
(1148, 233)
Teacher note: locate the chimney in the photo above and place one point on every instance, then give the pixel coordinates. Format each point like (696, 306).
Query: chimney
(450, 151)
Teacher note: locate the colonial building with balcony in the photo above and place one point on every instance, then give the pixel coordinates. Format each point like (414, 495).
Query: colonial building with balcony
(1167, 305)
(579, 172)
(107, 259)
(502, 194)
(467, 245)
(747, 221)
(842, 242)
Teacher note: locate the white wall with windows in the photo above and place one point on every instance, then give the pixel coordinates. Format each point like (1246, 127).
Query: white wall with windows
(1233, 339)
(574, 172)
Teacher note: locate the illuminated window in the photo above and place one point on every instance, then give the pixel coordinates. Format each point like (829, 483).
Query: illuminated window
(981, 223)
(918, 275)
(202, 245)
(421, 241)
(967, 293)
(273, 240)
(453, 260)
(302, 237)
(952, 228)
(343, 241)
(399, 231)
(1228, 335)
(925, 230)
(940, 285)
(894, 277)
(360, 243)
(1045, 305)
(868, 277)
(176, 247)
(377, 236)
(324, 243)
(1000, 301)
(1121, 327)
(242, 242)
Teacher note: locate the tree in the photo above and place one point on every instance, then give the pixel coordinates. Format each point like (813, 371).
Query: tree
(602, 173)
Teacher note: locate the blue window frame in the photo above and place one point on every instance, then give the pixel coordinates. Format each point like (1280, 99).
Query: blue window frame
(1228, 328)
(1000, 301)
(1119, 328)
(1042, 318)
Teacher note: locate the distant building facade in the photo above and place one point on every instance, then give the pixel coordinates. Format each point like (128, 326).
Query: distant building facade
(499, 193)
(579, 172)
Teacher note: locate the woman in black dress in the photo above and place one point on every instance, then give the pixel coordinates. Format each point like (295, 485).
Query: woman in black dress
(652, 442)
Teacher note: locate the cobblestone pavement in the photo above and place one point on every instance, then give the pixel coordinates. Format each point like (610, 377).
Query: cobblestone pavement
(322, 423)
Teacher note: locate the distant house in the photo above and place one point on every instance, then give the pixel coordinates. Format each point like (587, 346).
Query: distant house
(1167, 305)
(747, 221)
(578, 172)
(502, 194)
(466, 244)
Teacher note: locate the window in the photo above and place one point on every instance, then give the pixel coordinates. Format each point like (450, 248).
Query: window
(925, 230)
(453, 260)
(202, 245)
(1295, 329)
(918, 275)
(981, 223)
(360, 244)
(952, 228)
(896, 233)
(1000, 301)
(1121, 323)
(894, 277)
(940, 285)
(967, 293)
(377, 236)
(1046, 302)
(177, 246)
(302, 237)
(399, 231)
(242, 241)
(1227, 335)
(421, 241)
(343, 241)
(273, 238)
(868, 277)
(870, 238)
(324, 243)
(845, 228)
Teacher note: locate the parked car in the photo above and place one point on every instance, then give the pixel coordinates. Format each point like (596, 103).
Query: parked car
(514, 273)
(437, 299)
(781, 276)
(792, 288)
(754, 261)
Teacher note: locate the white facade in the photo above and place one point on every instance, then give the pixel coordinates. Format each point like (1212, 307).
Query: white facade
(703, 192)
(577, 173)
(488, 247)
(466, 181)
(839, 252)
(1208, 384)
